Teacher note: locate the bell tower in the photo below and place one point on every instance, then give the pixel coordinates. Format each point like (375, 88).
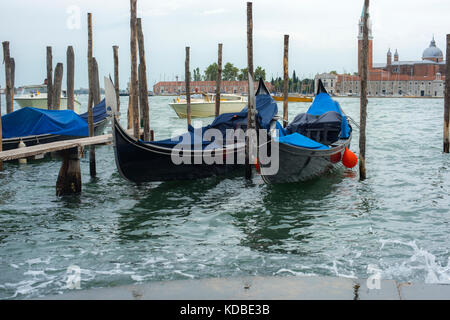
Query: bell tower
(360, 41)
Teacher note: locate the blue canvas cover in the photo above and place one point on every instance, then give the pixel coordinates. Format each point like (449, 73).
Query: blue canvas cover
(99, 112)
(30, 121)
(297, 139)
(323, 103)
(266, 109)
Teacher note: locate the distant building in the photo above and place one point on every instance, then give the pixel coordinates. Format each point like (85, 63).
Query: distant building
(424, 78)
(178, 87)
(329, 81)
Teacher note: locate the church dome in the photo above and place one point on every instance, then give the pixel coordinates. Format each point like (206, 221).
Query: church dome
(432, 52)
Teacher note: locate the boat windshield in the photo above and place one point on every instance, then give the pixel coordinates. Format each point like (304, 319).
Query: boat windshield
(33, 90)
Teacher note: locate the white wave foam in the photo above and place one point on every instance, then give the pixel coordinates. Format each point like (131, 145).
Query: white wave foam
(421, 262)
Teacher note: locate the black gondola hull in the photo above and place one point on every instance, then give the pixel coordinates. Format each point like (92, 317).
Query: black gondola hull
(144, 162)
(300, 164)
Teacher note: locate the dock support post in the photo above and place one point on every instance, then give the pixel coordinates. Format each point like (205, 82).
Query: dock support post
(70, 78)
(143, 88)
(133, 105)
(116, 75)
(69, 178)
(56, 99)
(363, 97)
(251, 113)
(188, 88)
(286, 80)
(8, 80)
(218, 80)
(49, 78)
(447, 97)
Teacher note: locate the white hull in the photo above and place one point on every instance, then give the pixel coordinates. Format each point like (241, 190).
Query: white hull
(207, 109)
(41, 103)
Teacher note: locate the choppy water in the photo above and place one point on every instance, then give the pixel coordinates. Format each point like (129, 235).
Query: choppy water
(119, 233)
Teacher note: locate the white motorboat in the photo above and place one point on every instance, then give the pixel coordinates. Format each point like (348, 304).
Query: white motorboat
(204, 105)
(36, 96)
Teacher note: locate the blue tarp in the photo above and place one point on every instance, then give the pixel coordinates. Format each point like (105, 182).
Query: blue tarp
(297, 139)
(30, 121)
(99, 112)
(266, 109)
(323, 103)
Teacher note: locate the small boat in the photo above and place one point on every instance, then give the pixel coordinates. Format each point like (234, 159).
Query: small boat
(144, 161)
(204, 105)
(293, 98)
(36, 96)
(312, 144)
(35, 126)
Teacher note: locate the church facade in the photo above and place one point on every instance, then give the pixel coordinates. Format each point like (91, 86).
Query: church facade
(395, 77)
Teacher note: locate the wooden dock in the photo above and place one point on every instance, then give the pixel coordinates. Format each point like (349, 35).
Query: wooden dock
(42, 149)
(69, 178)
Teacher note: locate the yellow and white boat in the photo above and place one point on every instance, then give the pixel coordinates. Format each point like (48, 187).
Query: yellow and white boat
(36, 96)
(204, 105)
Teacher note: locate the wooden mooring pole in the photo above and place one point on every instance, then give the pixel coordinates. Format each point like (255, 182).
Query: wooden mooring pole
(188, 87)
(116, 75)
(363, 96)
(219, 79)
(143, 88)
(8, 78)
(96, 82)
(70, 78)
(13, 78)
(69, 177)
(57, 83)
(92, 166)
(133, 106)
(49, 78)
(286, 80)
(251, 118)
(447, 97)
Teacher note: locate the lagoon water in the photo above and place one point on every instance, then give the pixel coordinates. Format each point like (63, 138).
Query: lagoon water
(396, 223)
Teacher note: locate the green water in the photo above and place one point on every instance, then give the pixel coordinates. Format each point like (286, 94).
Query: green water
(120, 233)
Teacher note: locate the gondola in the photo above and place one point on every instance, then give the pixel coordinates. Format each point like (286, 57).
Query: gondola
(35, 126)
(146, 161)
(312, 144)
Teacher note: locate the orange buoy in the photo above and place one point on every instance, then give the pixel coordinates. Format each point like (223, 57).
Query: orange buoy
(257, 166)
(349, 159)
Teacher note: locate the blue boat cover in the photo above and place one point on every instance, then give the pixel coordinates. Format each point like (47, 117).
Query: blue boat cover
(323, 103)
(30, 121)
(99, 112)
(297, 139)
(266, 109)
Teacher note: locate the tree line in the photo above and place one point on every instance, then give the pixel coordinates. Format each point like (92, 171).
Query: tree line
(303, 86)
(229, 73)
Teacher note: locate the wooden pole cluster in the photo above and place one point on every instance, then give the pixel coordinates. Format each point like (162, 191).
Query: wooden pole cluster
(70, 78)
(116, 75)
(9, 89)
(219, 78)
(56, 99)
(447, 98)
(286, 80)
(133, 106)
(188, 88)
(49, 78)
(143, 88)
(92, 165)
(363, 96)
(251, 117)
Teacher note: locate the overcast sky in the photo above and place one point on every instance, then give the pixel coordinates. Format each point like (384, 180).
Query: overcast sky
(322, 34)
